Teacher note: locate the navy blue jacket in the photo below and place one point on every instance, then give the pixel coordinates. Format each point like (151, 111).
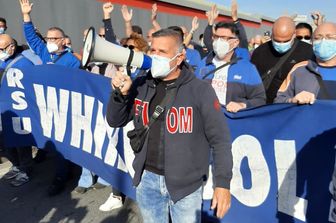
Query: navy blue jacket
(304, 77)
(243, 82)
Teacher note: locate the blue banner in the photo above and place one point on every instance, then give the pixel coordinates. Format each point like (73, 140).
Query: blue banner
(283, 154)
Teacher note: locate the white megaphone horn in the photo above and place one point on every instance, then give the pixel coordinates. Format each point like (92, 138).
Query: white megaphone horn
(97, 49)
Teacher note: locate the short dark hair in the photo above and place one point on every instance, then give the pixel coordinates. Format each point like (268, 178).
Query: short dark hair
(303, 25)
(178, 30)
(137, 29)
(57, 29)
(3, 20)
(227, 25)
(171, 33)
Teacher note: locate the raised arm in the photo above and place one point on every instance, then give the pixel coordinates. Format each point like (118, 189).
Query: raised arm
(127, 15)
(242, 33)
(109, 32)
(34, 41)
(26, 8)
(155, 23)
(212, 15)
(194, 27)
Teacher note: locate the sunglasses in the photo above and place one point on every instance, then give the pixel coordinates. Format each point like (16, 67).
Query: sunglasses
(131, 47)
(303, 37)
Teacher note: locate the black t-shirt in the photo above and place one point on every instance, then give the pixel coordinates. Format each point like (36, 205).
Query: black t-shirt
(155, 151)
(265, 57)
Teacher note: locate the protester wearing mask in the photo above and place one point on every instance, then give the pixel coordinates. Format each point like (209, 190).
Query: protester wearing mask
(237, 85)
(21, 158)
(276, 58)
(311, 80)
(168, 155)
(241, 51)
(51, 52)
(304, 32)
(54, 50)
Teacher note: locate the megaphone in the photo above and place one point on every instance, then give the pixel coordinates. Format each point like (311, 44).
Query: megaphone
(97, 49)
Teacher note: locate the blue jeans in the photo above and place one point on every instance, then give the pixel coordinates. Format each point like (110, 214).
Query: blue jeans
(86, 179)
(155, 203)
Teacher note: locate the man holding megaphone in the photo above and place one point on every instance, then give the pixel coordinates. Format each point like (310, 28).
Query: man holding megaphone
(177, 118)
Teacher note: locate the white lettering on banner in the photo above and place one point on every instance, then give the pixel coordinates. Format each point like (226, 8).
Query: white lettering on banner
(13, 78)
(19, 98)
(20, 125)
(81, 122)
(285, 154)
(52, 112)
(112, 152)
(99, 131)
(26, 125)
(248, 146)
(128, 152)
(288, 202)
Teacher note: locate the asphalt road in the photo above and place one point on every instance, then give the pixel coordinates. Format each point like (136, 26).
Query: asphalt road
(30, 202)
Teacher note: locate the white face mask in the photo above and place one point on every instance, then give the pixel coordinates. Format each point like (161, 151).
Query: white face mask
(2, 30)
(221, 48)
(4, 56)
(52, 47)
(160, 66)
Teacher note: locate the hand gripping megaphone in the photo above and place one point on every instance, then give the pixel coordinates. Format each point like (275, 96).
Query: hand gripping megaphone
(97, 49)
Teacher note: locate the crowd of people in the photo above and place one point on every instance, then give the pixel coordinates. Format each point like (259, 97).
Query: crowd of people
(293, 63)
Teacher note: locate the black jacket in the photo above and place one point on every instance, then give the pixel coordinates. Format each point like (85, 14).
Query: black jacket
(265, 57)
(194, 124)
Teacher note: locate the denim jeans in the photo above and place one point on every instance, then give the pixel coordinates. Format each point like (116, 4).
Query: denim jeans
(86, 179)
(155, 203)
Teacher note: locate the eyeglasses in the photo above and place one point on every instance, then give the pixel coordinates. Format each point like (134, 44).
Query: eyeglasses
(101, 35)
(223, 37)
(327, 37)
(131, 47)
(3, 49)
(303, 37)
(52, 39)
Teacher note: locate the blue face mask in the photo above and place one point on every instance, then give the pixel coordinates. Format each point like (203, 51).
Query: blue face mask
(2, 30)
(325, 49)
(282, 47)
